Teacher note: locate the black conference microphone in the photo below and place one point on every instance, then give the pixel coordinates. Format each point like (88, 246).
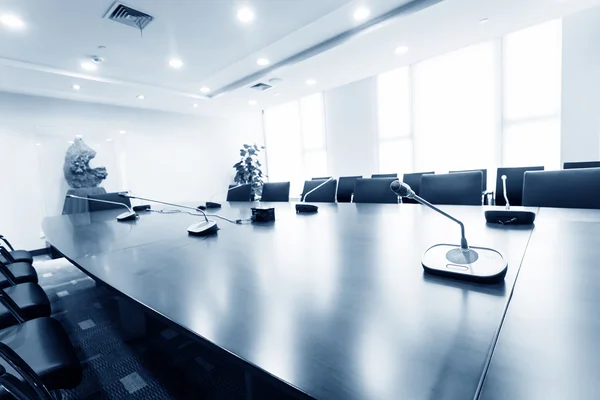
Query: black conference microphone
(478, 264)
(309, 208)
(508, 216)
(205, 227)
(126, 216)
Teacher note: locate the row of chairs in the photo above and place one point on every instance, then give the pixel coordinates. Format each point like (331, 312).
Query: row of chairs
(36, 355)
(528, 186)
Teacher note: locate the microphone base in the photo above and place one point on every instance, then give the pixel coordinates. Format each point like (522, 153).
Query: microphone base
(203, 228)
(478, 264)
(127, 216)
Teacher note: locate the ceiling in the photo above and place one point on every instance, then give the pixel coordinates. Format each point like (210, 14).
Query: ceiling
(217, 50)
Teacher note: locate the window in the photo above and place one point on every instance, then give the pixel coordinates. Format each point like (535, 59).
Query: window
(456, 111)
(395, 136)
(532, 94)
(296, 142)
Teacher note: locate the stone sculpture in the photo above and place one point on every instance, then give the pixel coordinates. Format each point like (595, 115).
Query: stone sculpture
(77, 170)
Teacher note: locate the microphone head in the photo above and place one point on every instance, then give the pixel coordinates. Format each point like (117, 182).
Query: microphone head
(401, 189)
(503, 177)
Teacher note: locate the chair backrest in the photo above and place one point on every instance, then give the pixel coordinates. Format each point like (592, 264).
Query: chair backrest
(459, 188)
(321, 179)
(483, 171)
(239, 193)
(324, 194)
(377, 176)
(514, 184)
(276, 191)
(114, 197)
(346, 188)
(374, 190)
(568, 188)
(414, 181)
(581, 164)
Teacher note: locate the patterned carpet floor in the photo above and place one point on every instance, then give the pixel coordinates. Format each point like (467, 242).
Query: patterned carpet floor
(162, 365)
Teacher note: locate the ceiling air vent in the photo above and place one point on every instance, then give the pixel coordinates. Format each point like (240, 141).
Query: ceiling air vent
(123, 14)
(261, 87)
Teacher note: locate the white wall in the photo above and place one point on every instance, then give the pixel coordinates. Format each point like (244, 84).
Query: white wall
(581, 87)
(162, 155)
(351, 126)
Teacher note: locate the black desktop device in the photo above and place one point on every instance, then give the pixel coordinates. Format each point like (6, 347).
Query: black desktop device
(306, 208)
(263, 214)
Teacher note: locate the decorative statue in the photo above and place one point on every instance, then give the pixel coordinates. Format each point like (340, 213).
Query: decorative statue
(77, 170)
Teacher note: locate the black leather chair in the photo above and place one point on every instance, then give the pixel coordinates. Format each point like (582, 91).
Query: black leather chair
(414, 181)
(321, 179)
(377, 176)
(374, 190)
(324, 194)
(581, 164)
(514, 184)
(346, 188)
(568, 188)
(459, 188)
(22, 302)
(15, 273)
(276, 191)
(42, 347)
(483, 171)
(239, 193)
(114, 197)
(15, 255)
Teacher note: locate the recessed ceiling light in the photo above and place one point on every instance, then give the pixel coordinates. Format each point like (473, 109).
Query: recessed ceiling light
(140, 97)
(12, 21)
(204, 89)
(122, 132)
(195, 105)
(176, 63)
(76, 87)
(245, 14)
(361, 13)
(109, 139)
(89, 66)
(311, 82)
(401, 50)
(253, 102)
(38, 144)
(484, 21)
(262, 62)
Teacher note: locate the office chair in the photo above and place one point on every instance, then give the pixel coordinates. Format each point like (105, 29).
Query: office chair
(377, 176)
(414, 181)
(458, 188)
(483, 171)
(581, 164)
(22, 302)
(345, 189)
(321, 179)
(114, 197)
(374, 190)
(14, 273)
(15, 255)
(324, 194)
(276, 191)
(40, 348)
(240, 193)
(514, 184)
(21, 390)
(567, 188)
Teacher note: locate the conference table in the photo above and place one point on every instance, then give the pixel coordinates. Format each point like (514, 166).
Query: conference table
(335, 305)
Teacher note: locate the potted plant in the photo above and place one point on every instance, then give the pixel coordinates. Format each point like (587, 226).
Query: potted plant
(248, 169)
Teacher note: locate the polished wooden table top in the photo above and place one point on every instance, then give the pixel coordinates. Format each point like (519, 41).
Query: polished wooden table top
(549, 346)
(335, 304)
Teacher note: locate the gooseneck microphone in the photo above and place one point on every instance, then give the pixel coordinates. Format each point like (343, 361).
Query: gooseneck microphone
(508, 216)
(126, 216)
(200, 228)
(309, 207)
(478, 264)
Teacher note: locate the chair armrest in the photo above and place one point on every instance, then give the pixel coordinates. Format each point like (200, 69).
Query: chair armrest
(19, 365)
(5, 240)
(11, 306)
(6, 254)
(13, 386)
(8, 274)
(485, 197)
